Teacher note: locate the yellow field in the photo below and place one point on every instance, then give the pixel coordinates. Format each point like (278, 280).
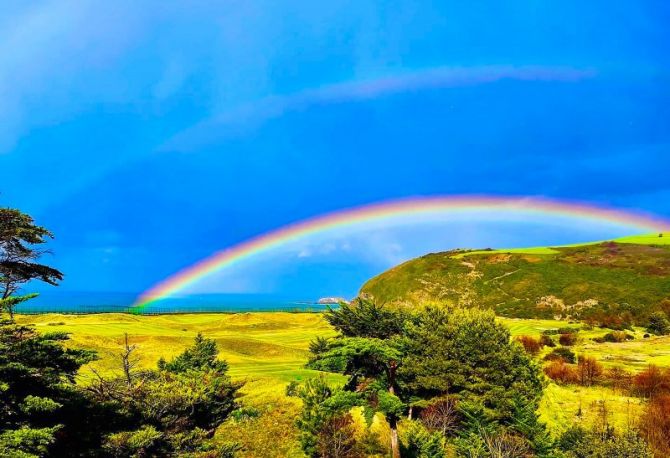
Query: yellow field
(256, 345)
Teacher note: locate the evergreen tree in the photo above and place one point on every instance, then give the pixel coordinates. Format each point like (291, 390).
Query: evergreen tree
(20, 239)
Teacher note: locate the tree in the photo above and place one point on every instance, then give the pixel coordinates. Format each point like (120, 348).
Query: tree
(414, 358)
(20, 238)
(588, 370)
(323, 405)
(465, 352)
(368, 353)
(175, 409)
(42, 413)
(128, 359)
(658, 324)
(365, 318)
(372, 366)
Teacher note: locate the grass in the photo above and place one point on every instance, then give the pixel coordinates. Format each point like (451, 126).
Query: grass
(597, 280)
(270, 346)
(565, 406)
(268, 350)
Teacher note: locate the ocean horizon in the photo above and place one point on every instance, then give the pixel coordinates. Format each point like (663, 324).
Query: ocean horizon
(109, 302)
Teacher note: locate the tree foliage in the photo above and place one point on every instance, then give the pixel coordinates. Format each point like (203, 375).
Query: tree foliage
(20, 239)
(174, 409)
(425, 359)
(41, 410)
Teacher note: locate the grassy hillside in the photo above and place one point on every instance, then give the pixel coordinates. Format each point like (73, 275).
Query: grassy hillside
(629, 276)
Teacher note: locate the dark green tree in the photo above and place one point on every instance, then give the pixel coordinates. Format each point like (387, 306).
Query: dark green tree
(367, 351)
(415, 358)
(658, 324)
(465, 352)
(322, 404)
(42, 413)
(365, 318)
(175, 409)
(20, 242)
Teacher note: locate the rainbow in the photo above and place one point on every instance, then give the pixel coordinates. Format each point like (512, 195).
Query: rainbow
(380, 211)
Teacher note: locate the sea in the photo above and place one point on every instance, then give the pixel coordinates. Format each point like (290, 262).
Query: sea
(113, 302)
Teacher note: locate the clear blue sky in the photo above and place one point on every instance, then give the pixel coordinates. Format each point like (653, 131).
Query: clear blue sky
(147, 135)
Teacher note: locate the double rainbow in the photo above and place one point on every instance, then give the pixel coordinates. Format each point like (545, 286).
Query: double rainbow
(380, 211)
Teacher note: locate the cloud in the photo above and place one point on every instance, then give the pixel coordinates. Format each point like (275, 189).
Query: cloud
(222, 125)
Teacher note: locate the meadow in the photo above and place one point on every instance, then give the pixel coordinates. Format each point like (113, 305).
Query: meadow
(268, 350)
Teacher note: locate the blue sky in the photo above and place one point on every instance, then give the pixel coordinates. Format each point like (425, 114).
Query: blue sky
(149, 134)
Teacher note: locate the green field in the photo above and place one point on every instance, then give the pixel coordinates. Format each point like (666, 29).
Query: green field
(268, 350)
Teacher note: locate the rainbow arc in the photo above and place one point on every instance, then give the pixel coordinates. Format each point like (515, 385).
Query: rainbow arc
(407, 207)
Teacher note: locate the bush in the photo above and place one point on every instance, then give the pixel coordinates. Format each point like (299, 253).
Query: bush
(568, 339)
(652, 381)
(589, 370)
(655, 424)
(441, 415)
(561, 372)
(658, 324)
(547, 341)
(336, 438)
(418, 442)
(581, 443)
(619, 378)
(617, 336)
(561, 353)
(530, 344)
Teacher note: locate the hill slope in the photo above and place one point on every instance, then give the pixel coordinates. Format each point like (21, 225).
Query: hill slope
(622, 280)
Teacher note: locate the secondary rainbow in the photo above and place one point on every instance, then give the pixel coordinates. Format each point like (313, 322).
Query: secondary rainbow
(405, 207)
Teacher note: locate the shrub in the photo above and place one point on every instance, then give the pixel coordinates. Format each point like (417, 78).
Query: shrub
(336, 438)
(619, 378)
(441, 415)
(561, 372)
(652, 381)
(617, 336)
(582, 443)
(561, 353)
(547, 341)
(419, 442)
(245, 413)
(658, 324)
(655, 424)
(588, 370)
(665, 306)
(531, 344)
(568, 339)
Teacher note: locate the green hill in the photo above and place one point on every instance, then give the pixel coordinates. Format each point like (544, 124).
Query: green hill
(608, 282)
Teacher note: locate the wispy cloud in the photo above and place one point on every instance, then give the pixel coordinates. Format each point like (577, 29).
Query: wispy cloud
(223, 124)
